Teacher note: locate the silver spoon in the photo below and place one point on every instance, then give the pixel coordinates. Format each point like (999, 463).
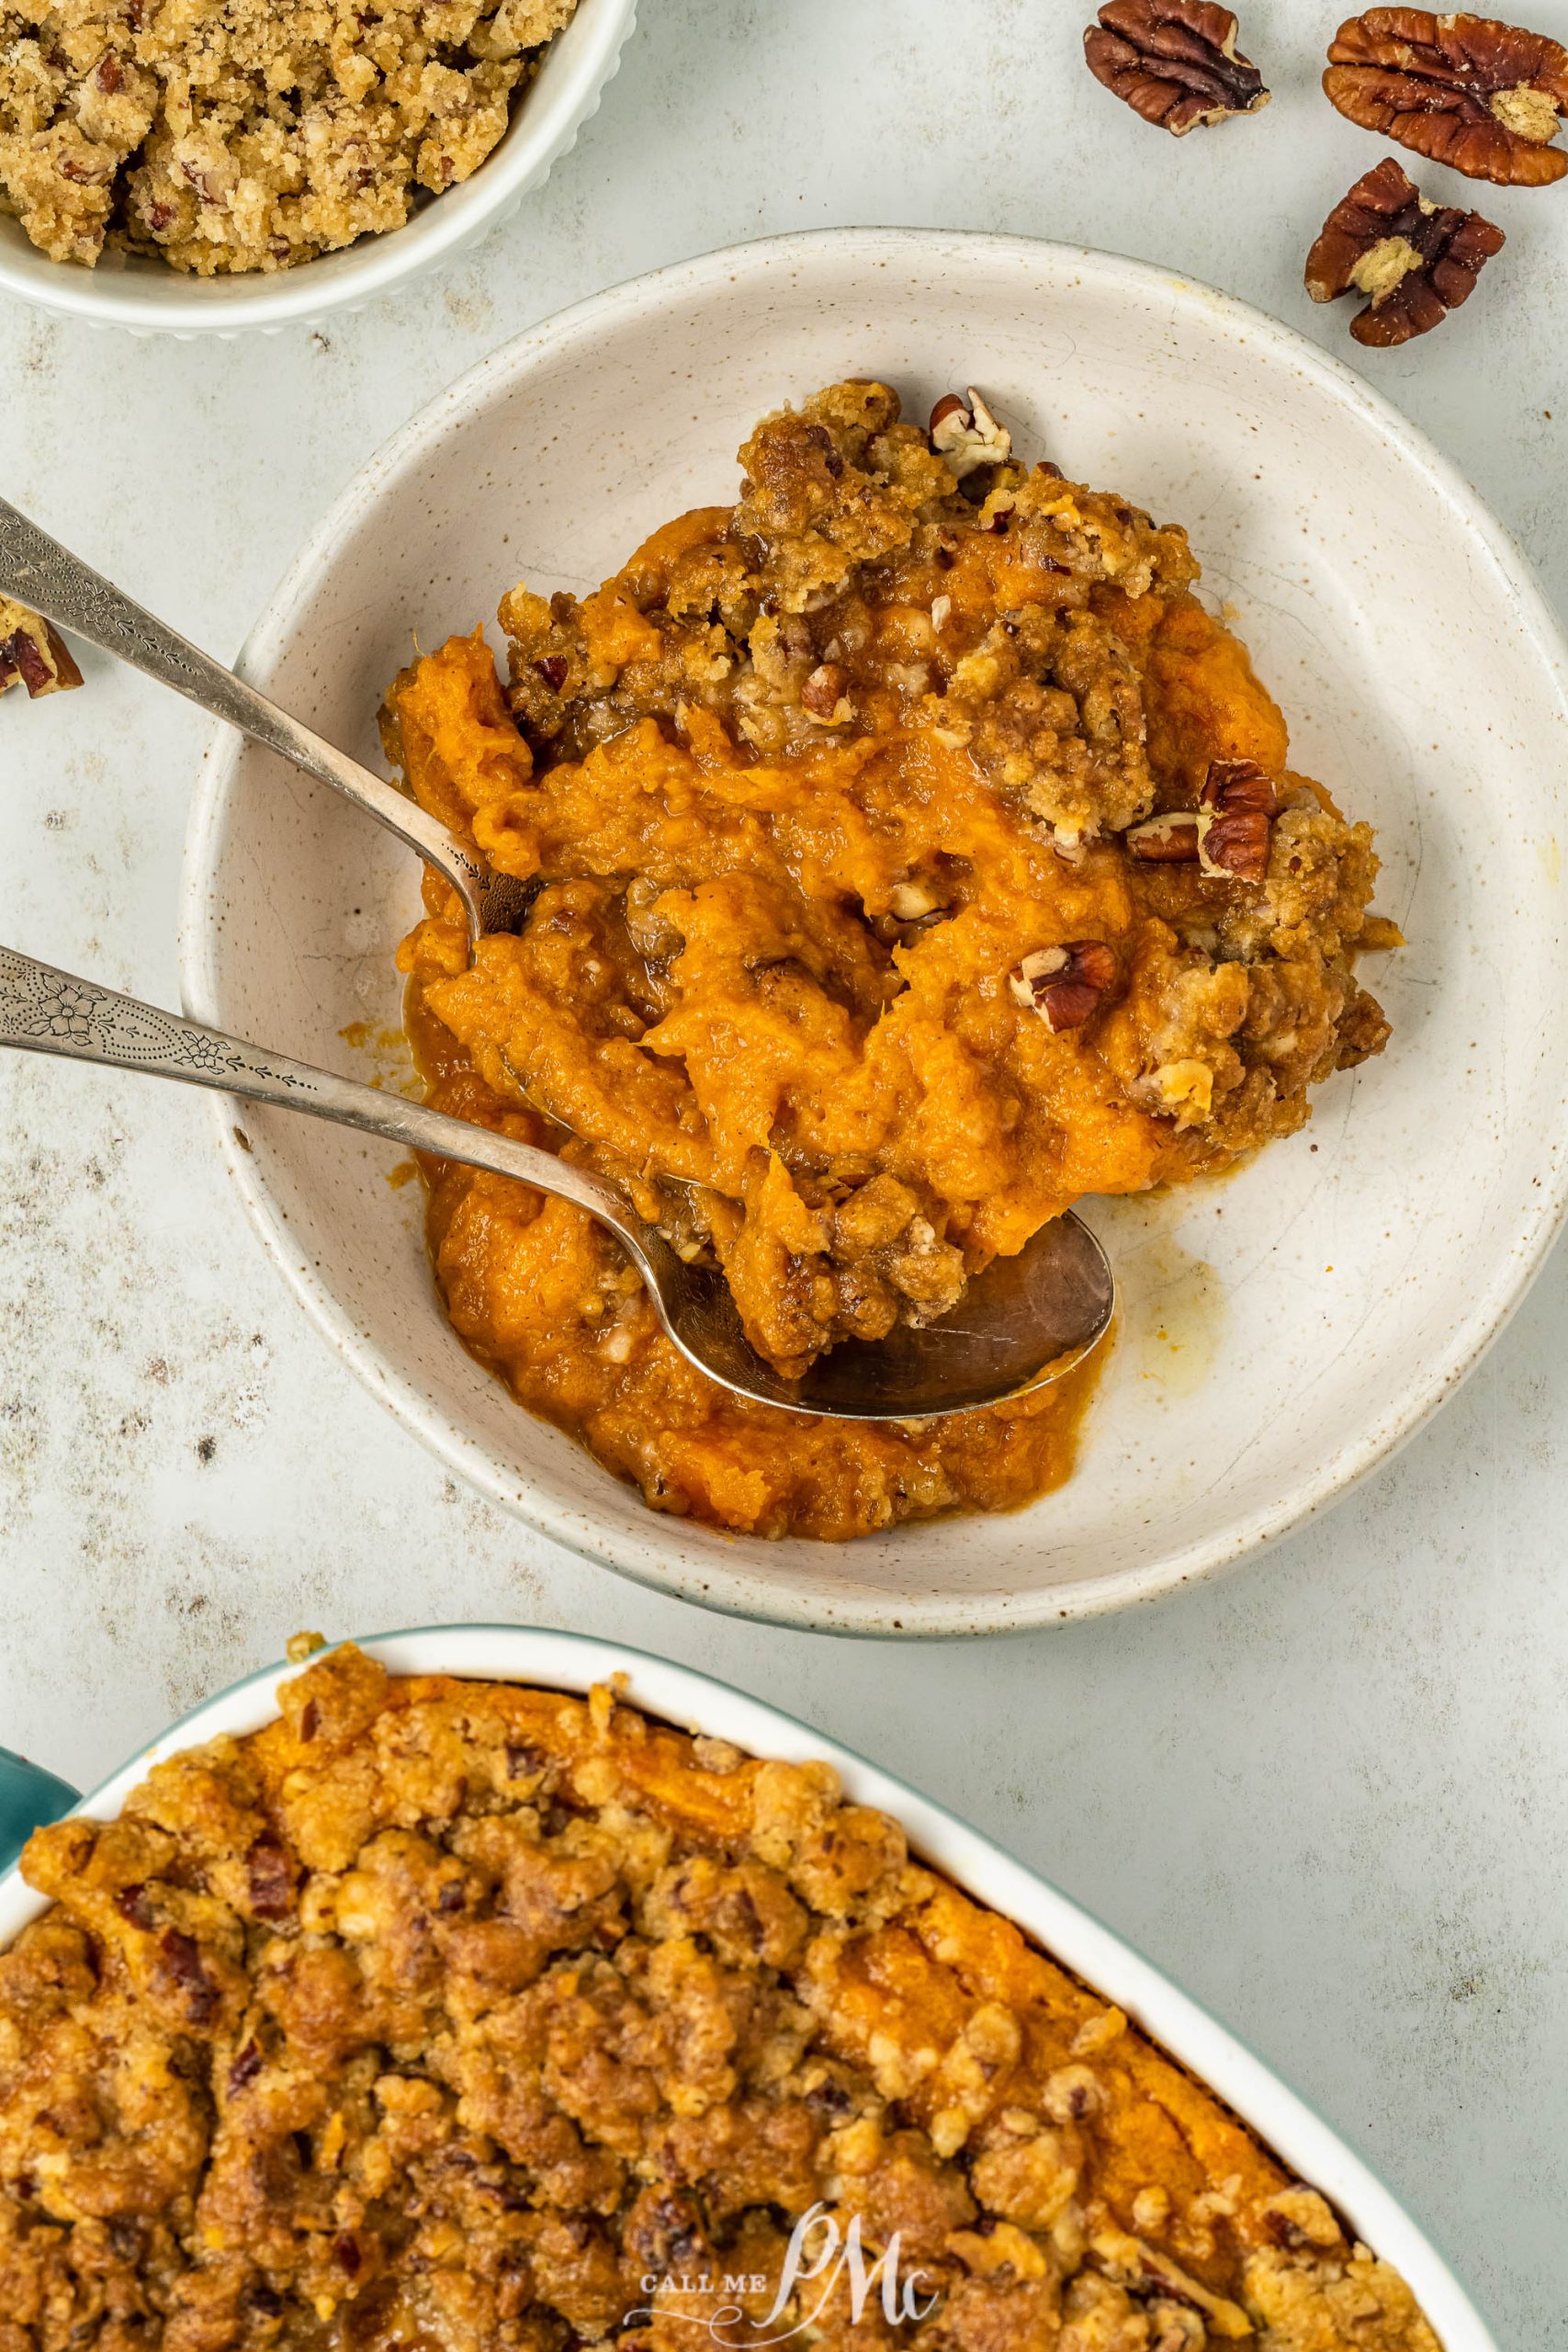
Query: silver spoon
(1023, 1322)
(38, 573)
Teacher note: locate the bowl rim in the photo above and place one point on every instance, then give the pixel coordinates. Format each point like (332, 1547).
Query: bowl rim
(712, 1581)
(537, 138)
(983, 1868)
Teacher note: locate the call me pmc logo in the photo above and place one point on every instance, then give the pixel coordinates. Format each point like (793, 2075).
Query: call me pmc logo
(837, 2255)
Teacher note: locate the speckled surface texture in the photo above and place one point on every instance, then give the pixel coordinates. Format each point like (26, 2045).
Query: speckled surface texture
(1328, 1793)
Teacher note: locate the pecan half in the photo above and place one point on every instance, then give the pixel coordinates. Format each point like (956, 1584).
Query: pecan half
(1227, 836)
(1237, 806)
(1416, 260)
(1174, 61)
(964, 432)
(1063, 985)
(32, 653)
(1469, 91)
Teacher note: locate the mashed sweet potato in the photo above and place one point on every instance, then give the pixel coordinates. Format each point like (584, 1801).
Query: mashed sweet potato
(914, 856)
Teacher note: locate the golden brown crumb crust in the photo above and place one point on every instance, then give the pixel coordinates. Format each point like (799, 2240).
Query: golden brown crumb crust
(449, 2014)
(252, 135)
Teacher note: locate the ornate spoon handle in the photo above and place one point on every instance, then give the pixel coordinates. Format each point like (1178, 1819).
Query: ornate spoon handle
(1054, 1300)
(38, 573)
(47, 1011)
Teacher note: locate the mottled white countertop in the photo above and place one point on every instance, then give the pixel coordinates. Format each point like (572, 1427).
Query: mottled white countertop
(1330, 1793)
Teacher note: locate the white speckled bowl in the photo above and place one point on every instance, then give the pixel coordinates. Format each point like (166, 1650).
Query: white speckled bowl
(1280, 1332)
(145, 295)
(1303, 2143)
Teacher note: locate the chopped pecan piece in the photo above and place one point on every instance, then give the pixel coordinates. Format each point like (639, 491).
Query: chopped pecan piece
(1295, 2218)
(915, 905)
(1071, 2093)
(1063, 985)
(1416, 260)
(1174, 61)
(1170, 840)
(914, 901)
(247, 2066)
(1176, 2327)
(1468, 91)
(271, 1880)
(1145, 2270)
(965, 433)
(131, 1902)
(824, 691)
(181, 1958)
(33, 653)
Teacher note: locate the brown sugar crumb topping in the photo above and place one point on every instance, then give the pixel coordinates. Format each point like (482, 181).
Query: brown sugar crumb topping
(1472, 92)
(1417, 260)
(1174, 61)
(540, 2063)
(255, 135)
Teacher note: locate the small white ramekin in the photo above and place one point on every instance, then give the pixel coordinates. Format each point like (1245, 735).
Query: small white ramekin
(149, 297)
(1301, 2138)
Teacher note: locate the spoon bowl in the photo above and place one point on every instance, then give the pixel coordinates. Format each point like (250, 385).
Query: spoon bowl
(1024, 1321)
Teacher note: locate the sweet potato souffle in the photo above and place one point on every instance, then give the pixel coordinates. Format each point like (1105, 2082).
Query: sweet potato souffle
(914, 854)
(465, 2017)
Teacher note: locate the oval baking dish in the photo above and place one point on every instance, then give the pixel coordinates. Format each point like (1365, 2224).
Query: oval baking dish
(573, 1663)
